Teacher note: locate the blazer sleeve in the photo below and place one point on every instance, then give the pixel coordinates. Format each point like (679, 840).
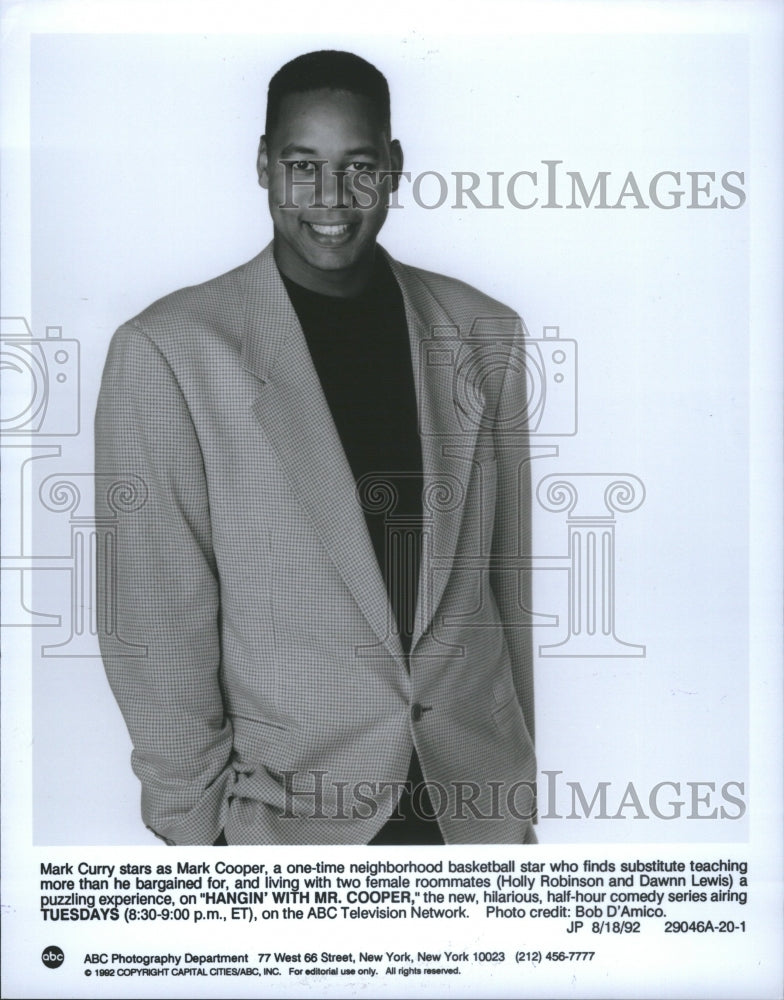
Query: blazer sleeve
(163, 595)
(512, 528)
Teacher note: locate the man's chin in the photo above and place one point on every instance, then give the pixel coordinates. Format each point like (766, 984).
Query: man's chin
(338, 258)
(313, 266)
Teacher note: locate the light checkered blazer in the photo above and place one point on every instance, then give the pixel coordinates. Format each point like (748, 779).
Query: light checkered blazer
(274, 701)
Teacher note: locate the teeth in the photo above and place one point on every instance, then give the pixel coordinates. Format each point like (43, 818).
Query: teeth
(330, 230)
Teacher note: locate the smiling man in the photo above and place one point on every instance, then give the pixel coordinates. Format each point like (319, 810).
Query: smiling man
(326, 573)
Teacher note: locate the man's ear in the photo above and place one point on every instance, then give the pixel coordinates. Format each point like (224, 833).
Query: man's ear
(396, 158)
(262, 163)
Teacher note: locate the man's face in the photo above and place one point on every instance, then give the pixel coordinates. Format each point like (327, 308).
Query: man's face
(326, 233)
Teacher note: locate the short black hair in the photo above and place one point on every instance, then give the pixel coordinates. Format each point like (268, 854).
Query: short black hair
(328, 69)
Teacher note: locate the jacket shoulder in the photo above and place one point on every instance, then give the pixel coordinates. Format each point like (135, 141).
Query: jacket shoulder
(213, 308)
(455, 297)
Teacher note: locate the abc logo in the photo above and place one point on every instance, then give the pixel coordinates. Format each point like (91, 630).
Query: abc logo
(53, 957)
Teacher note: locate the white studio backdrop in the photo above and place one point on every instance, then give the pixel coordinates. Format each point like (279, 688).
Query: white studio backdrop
(143, 180)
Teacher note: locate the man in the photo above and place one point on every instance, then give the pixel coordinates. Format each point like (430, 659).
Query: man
(325, 572)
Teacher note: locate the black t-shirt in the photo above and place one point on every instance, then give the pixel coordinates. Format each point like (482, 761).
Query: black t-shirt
(361, 351)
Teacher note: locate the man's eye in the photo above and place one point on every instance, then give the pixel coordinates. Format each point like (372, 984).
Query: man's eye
(302, 164)
(361, 166)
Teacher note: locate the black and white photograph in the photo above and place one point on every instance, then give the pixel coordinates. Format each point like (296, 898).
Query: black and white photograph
(391, 448)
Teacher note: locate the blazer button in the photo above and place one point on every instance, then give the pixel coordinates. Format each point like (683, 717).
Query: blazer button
(417, 710)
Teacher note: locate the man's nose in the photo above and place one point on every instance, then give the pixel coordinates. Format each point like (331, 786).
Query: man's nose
(335, 189)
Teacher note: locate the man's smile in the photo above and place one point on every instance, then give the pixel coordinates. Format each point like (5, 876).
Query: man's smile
(331, 234)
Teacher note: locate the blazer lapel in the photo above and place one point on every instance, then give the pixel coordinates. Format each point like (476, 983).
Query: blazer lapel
(447, 444)
(296, 418)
